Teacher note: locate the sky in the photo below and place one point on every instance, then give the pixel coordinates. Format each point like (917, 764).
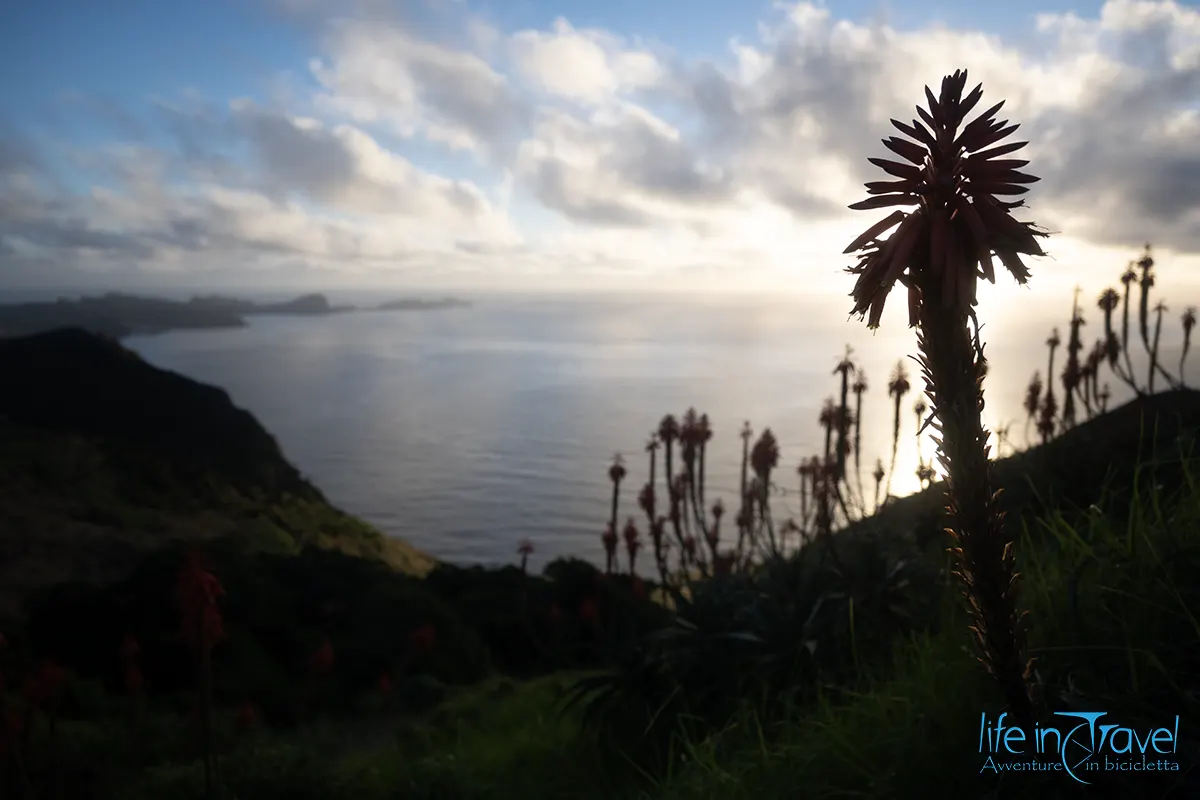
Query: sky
(560, 144)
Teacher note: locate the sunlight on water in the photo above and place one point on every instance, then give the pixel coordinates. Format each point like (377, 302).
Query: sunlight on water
(465, 431)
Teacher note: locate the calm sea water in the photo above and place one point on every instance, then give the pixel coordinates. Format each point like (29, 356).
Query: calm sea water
(464, 431)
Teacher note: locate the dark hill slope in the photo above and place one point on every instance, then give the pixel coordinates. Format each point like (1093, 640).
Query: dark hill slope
(1096, 460)
(70, 380)
(104, 457)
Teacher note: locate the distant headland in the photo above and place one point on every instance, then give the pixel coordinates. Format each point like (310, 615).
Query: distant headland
(119, 315)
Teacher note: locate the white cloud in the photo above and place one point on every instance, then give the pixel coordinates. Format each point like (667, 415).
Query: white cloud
(382, 73)
(576, 151)
(588, 66)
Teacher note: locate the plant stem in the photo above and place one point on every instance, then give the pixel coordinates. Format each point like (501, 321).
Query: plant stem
(953, 367)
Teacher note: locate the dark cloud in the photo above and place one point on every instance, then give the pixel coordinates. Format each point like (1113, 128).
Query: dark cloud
(1112, 157)
(312, 161)
(560, 188)
(77, 234)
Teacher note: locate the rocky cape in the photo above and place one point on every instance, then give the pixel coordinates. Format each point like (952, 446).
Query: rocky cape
(104, 458)
(118, 315)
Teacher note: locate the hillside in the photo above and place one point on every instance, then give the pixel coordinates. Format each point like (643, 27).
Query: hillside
(453, 684)
(104, 457)
(1072, 471)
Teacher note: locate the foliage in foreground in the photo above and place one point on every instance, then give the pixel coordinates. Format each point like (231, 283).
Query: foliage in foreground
(1114, 599)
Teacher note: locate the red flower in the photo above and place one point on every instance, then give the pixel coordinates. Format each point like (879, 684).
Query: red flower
(646, 500)
(616, 473)
(130, 649)
(197, 593)
(639, 587)
(43, 687)
(952, 174)
(133, 679)
(589, 610)
(423, 639)
(384, 684)
(247, 717)
(609, 539)
(321, 661)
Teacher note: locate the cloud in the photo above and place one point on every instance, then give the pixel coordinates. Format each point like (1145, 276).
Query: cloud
(620, 166)
(435, 141)
(331, 195)
(381, 73)
(587, 66)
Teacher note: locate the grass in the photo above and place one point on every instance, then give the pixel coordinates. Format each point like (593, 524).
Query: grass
(1114, 600)
(496, 739)
(108, 503)
(1115, 629)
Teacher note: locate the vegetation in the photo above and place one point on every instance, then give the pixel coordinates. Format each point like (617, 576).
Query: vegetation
(250, 641)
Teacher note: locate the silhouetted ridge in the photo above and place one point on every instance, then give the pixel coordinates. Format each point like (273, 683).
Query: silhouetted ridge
(72, 380)
(1094, 459)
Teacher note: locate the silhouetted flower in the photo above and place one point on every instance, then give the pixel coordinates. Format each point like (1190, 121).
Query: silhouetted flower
(1108, 302)
(1189, 322)
(134, 681)
(668, 429)
(765, 455)
(247, 717)
(953, 181)
(1145, 264)
(525, 549)
(43, 687)
(609, 540)
(938, 251)
(130, 649)
(197, 593)
(321, 661)
(646, 500)
(589, 610)
(616, 473)
(1033, 394)
(423, 639)
(632, 542)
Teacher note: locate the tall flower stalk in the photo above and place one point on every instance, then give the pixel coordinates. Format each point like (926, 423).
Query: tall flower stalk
(897, 388)
(1146, 282)
(938, 251)
(1189, 322)
(198, 593)
(1159, 310)
(1033, 397)
(1127, 279)
(859, 387)
(1072, 373)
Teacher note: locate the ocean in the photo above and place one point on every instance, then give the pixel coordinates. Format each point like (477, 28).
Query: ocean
(464, 431)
